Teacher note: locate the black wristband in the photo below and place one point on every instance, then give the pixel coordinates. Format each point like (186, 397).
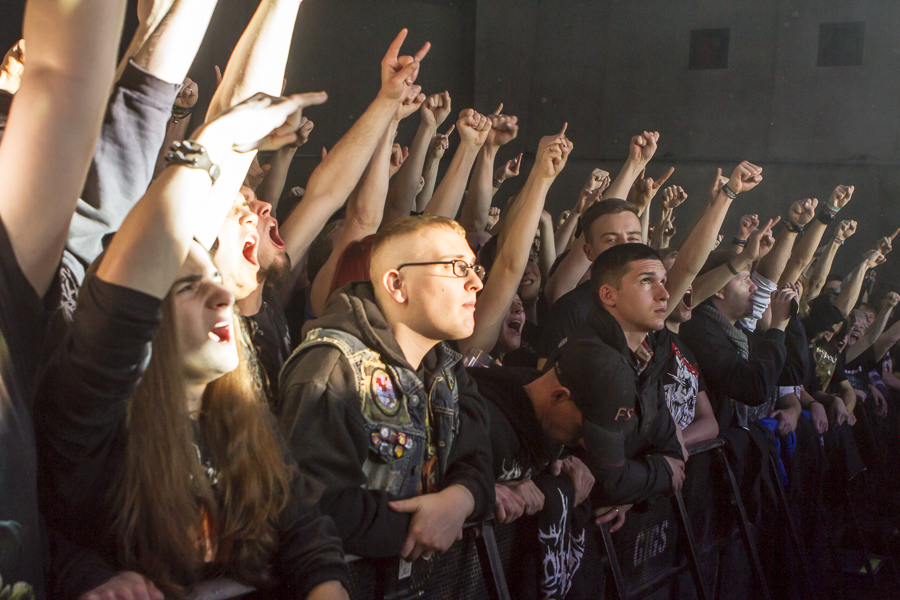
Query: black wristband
(738, 242)
(793, 227)
(180, 112)
(825, 217)
(192, 155)
(728, 191)
(497, 183)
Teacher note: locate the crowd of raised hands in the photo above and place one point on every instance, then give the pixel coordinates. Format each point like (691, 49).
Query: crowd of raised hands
(150, 296)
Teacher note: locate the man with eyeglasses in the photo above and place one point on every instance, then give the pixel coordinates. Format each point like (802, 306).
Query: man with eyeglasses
(386, 426)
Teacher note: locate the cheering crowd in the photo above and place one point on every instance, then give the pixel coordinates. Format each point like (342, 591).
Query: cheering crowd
(208, 369)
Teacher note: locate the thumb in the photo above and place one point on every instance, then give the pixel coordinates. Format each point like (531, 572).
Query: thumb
(408, 72)
(556, 467)
(405, 506)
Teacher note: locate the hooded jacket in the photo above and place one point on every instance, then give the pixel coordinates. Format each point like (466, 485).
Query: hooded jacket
(648, 436)
(359, 418)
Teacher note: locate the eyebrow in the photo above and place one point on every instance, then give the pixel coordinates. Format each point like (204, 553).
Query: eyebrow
(187, 279)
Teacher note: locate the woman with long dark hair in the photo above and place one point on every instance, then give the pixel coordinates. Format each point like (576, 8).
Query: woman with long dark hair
(157, 446)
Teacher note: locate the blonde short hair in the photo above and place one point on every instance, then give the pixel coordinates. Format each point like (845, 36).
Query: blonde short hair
(409, 225)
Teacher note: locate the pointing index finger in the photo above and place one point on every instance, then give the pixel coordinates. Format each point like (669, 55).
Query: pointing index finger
(394, 49)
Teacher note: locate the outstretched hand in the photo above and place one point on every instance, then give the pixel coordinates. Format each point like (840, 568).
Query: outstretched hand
(398, 73)
(884, 244)
(747, 225)
(440, 142)
(673, 196)
(509, 169)
(261, 122)
(598, 179)
(125, 586)
(760, 241)
(645, 188)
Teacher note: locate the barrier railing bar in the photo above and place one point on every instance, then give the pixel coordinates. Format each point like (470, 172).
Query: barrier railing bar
(693, 559)
(488, 541)
(614, 562)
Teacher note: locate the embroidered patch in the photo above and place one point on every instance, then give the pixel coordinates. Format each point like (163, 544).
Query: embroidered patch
(383, 391)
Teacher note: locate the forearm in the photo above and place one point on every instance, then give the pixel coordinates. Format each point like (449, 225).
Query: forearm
(803, 252)
(565, 232)
(700, 429)
(401, 197)
(568, 273)
(169, 50)
(695, 250)
(771, 266)
(272, 185)
(364, 213)
(336, 176)
(887, 339)
(447, 197)
(789, 402)
(429, 173)
(71, 61)
(820, 270)
(547, 254)
(477, 203)
(175, 132)
(506, 273)
(846, 300)
(624, 180)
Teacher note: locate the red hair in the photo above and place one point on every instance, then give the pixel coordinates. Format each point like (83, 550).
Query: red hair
(353, 265)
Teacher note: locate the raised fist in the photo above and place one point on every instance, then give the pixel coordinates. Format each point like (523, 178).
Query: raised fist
(473, 127)
(845, 229)
(643, 147)
(398, 157)
(748, 225)
(760, 241)
(746, 176)
(802, 211)
(435, 109)
(598, 179)
(645, 188)
(841, 195)
(504, 129)
(187, 95)
(306, 127)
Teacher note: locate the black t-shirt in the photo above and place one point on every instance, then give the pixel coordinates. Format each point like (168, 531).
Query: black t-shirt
(826, 368)
(858, 370)
(518, 444)
(23, 323)
(565, 317)
(271, 339)
(682, 382)
(5, 103)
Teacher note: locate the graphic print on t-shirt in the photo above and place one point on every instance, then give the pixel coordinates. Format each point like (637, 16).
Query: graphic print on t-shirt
(681, 389)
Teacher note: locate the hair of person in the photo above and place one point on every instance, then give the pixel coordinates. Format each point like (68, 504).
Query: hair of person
(164, 504)
(409, 225)
(607, 206)
(834, 276)
(610, 267)
(321, 247)
(353, 265)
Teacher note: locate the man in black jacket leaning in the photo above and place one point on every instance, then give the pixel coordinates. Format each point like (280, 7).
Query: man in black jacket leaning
(642, 456)
(379, 412)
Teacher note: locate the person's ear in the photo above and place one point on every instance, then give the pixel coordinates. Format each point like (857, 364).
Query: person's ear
(608, 295)
(393, 283)
(720, 294)
(589, 252)
(559, 396)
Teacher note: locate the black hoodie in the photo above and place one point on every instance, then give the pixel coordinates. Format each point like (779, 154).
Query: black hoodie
(321, 417)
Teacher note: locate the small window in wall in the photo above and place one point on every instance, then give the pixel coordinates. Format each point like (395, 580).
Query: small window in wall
(709, 49)
(841, 44)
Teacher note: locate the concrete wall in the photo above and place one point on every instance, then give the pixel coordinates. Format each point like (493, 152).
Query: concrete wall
(613, 68)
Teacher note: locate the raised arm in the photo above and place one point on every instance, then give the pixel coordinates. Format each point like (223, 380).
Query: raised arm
(702, 239)
(640, 150)
(846, 300)
(590, 193)
(337, 175)
(154, 239)
(272, 186)
(876, 335)
(822, 267)
(815, 229)
(402, 192)
(54, 124)
(473, 131)
(477, 203)
(772, 265)
(436, 148)
(515, 242)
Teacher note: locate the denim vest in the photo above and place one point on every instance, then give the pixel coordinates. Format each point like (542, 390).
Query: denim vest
(395, 408)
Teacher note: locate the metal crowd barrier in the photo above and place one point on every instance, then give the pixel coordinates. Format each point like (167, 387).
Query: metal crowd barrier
(654, 555)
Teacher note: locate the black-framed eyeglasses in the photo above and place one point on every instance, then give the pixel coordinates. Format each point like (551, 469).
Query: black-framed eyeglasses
(460, 267)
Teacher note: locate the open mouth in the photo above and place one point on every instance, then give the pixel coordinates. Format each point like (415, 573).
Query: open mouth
(249, 250)
(688, 299)
(221, 332)
(516, 326)
(273, 235)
